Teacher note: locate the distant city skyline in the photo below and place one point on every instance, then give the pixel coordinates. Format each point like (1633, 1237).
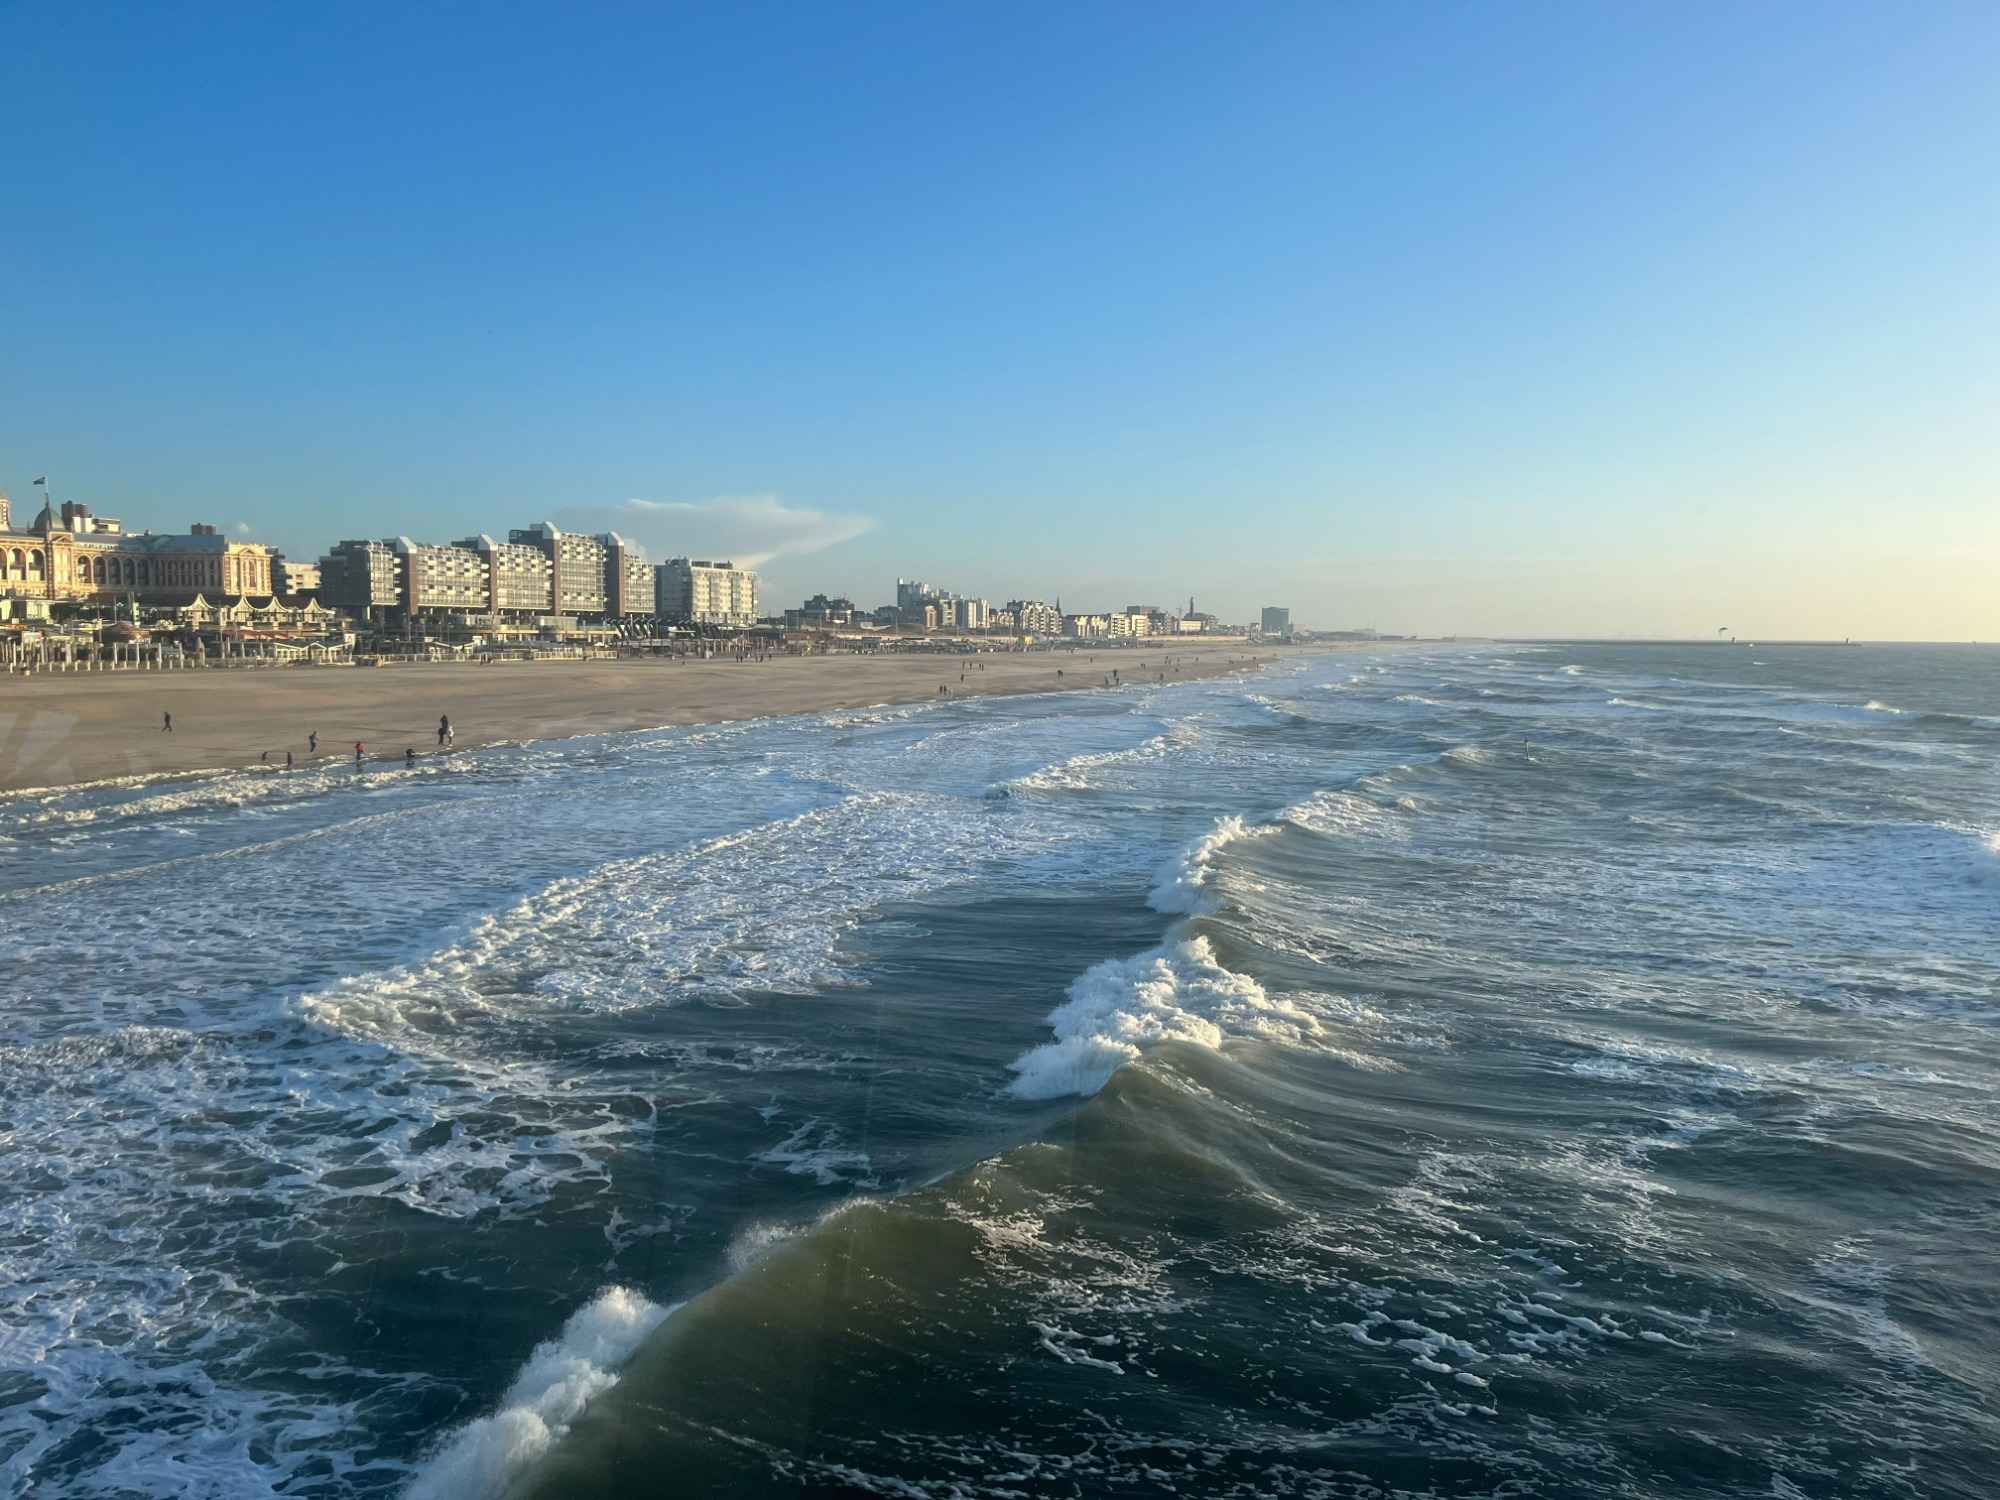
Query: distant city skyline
(1540, 322)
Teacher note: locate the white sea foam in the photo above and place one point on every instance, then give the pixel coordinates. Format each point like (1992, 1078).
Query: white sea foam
(149, 1128)
(210, 794)
(879, 713)
(1874, 706)
(1341, 812)
(1183, 882)
(757, 1241)
(1855, 1304)
(108, 783)
(1467, 755)
(1083, 772)
(765, 909)
(818, 1151)
(560, 1379)
(1117, 1009)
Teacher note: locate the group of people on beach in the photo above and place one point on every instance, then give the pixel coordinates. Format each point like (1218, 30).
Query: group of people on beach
(447, 737)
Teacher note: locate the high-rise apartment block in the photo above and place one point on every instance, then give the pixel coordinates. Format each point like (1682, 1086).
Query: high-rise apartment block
(578, 562)
(699, 592)
(452, 579)
(363, 575)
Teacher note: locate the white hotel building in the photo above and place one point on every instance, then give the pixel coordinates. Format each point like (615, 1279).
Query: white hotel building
(698, 592)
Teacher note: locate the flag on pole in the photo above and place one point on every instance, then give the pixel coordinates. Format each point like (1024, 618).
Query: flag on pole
(43, 480)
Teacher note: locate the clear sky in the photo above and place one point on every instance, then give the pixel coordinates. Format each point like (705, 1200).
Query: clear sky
(1602, 317)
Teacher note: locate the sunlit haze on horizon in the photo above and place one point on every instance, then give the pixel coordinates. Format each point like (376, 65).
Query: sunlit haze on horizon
(1552, 319)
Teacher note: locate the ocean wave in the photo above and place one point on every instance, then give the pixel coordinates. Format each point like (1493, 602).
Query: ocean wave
(1340, 812)
(765, 909)
(244, 791)
(1985, 867)
(1467, 755)
(161, 1347)
(1080, 772)
(874, 713)
(560, 1379)
(1178, 992)
(1876, 706)
(1182, 883)
(102, 784)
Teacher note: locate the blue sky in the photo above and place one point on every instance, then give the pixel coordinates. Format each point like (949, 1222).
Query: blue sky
(1467, 318)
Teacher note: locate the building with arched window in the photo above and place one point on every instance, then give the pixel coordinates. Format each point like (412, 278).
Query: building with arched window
(74, 554)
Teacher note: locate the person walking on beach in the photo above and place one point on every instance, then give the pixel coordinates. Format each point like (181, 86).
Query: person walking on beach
(312, 743)
(167, 722)
(444, 728)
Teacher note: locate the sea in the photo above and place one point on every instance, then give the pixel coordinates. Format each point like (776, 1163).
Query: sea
(1437, 1070)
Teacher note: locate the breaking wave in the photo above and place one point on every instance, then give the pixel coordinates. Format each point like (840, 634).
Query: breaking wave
(1182, 883)
(561, 1378)
(1177, 992)
(1081, 772)
(1338, 812)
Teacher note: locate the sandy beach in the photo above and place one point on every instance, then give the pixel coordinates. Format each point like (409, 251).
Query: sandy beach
(61, 729)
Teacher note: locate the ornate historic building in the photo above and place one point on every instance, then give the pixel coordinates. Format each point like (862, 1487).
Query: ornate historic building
(76, 555)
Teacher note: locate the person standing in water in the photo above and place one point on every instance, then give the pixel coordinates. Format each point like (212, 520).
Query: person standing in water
(409, 756)
(357, 752)
(444, 728)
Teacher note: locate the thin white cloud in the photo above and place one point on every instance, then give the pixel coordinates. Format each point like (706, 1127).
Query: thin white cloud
(750, 530)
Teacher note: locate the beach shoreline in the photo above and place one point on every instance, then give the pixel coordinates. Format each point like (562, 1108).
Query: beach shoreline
(64, 730)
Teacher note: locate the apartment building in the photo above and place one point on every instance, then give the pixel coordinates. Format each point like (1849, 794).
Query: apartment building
(629, 584)
(579, 563)
(520, 579)
(363, 575)
(294, 577)
(448, 579)
(1035, 617)
(699, 592)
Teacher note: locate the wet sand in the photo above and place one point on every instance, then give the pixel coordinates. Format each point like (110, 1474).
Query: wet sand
(59, 729)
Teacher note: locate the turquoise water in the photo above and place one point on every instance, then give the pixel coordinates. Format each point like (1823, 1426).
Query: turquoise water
(1471, 1071)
